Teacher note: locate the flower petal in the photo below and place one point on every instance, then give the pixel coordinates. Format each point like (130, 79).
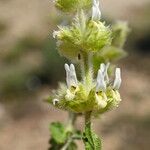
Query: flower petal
(117, 81)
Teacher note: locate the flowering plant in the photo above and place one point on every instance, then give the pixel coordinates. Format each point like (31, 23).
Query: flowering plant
(93, 46)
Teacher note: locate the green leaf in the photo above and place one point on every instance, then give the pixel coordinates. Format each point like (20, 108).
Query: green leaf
(58, 132)
(54, 145)
(91, 140)
(112, 53)
(120, 32)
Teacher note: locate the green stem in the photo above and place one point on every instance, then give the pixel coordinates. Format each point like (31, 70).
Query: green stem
(71, 121)
(87, 126)
(88, 116)
(86, 68)
(69, 141)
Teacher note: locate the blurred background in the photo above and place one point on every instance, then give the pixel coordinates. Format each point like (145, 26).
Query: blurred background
(30, 67)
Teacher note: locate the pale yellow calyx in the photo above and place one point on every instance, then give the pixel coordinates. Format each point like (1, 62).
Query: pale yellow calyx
(101, 99)
(116, 95)
(69, 95)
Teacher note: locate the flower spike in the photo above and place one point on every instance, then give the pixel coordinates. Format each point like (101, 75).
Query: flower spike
(71, 77)
(96, 13)
(117, 81)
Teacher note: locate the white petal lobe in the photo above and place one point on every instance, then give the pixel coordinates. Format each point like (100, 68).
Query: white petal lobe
(96, 13)
(117, 81)
(101, 85)
(71, 77)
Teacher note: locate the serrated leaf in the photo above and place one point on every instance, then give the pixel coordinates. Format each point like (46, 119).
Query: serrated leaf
(91, 140)
(58, 132)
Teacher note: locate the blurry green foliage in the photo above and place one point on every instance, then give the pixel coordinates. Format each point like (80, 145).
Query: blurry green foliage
(59, 137)
(20, 75)
(27, 43)
(58, 132)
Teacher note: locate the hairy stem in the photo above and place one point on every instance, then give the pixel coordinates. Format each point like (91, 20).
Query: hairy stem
(88, 116)
(69, 141)
(86, 68)
(71, 121)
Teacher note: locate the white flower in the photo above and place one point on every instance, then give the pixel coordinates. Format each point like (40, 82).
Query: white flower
(101, 85)
(55, 101)
(104, 69)
(117, 81)
(96, 13)
(71, 77)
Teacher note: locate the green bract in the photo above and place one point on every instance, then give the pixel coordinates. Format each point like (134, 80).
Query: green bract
(72, 5)
(120, 32)
(79, 100)
(83, 36)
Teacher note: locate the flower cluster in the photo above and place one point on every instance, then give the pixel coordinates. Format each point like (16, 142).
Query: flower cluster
(100, 97)
(86, 34)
